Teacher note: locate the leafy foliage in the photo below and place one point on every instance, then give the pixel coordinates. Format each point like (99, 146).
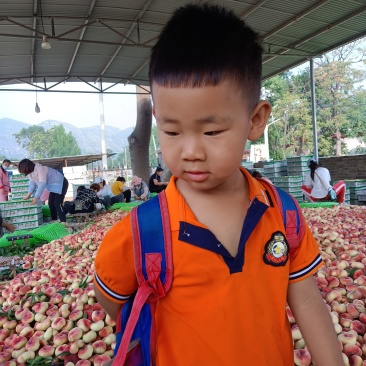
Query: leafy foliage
(41, 143)
(340, 105)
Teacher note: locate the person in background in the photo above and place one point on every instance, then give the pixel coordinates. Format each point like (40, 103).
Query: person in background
(155, 183)
(4, 181)
(317, 184)
(95, 187)
(106, 193)
(46, 178)
(6, 225)
(119, 187)
(85, 200)
(140, 189)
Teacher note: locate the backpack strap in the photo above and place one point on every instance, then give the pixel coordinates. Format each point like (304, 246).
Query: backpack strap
(153, 244)
(293, 220)
(153, 262)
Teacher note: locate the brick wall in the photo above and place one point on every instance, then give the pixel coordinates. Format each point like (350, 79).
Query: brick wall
(345, 167)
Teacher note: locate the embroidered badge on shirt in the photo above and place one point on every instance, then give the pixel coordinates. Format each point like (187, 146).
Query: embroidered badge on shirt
(276, 250)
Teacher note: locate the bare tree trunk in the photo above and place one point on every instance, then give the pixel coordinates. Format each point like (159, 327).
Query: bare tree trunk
(139, 139)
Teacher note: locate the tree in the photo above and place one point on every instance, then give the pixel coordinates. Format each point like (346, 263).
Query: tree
(62, 143)
(139, 139)
(336, 81)
(54, 142)
(291, 133)
(340, 105)
(33, 139)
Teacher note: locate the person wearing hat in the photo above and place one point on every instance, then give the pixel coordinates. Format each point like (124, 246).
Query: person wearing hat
(317, 184)
(106, 194)
(140, 189)
(155, 183)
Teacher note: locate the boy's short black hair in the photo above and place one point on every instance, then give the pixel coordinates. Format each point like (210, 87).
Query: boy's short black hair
(202, 45)
(159, 169)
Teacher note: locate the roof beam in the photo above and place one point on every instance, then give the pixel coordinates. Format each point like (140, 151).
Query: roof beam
(81, 35)
(6, 17)
(252, 9)
(137, 71)
(317, 33)
(33, 58)
(128, 33)
(278, 71)
(294, 19)
(63, 39)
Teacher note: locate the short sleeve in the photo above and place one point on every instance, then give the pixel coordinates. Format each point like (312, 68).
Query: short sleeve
(114, 264)
(307, 259)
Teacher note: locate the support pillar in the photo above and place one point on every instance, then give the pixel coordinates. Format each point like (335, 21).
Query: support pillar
(313, 109)
(102, 130)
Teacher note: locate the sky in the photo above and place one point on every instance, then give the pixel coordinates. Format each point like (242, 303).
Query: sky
(78, 109)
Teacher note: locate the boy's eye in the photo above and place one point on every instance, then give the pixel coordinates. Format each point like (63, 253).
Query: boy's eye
(171, 133)
(212, 133)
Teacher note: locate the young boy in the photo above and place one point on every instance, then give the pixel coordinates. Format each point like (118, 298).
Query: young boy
(232, 271)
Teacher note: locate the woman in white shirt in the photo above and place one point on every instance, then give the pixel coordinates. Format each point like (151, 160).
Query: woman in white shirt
(106, 195)
(317, 184)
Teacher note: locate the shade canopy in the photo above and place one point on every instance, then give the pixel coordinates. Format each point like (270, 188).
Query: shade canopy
(109, 40)
(68, 161)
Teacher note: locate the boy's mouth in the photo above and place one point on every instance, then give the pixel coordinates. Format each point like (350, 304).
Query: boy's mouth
(197, 176)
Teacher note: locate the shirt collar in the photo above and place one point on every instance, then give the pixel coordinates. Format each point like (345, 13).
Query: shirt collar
(180, 211)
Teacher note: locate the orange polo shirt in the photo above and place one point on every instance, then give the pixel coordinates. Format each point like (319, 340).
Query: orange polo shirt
(220, 310)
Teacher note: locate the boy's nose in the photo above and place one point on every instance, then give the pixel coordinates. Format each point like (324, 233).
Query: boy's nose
(193, 150)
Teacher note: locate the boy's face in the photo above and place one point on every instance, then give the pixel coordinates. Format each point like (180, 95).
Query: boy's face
(203, 131)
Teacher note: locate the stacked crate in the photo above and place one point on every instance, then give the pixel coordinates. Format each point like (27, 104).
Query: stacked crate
(247, 165)
(347, 197)
(19, 186)
(357, 191)
(275, 169)
(21, 213)
(297, 166)
(290, 184)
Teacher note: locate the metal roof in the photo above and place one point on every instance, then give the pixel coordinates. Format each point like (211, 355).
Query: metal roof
(67, 161)
(110, 40)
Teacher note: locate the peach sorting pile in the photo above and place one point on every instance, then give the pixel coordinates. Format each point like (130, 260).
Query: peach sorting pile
(50, 313)
(341, 234)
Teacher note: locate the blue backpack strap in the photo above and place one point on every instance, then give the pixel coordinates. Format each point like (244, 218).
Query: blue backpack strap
(154, 270)
(293, 220)
(153, 245)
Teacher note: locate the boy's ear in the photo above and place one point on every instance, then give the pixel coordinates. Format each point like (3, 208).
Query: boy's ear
(258, 119)
(153, 111)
